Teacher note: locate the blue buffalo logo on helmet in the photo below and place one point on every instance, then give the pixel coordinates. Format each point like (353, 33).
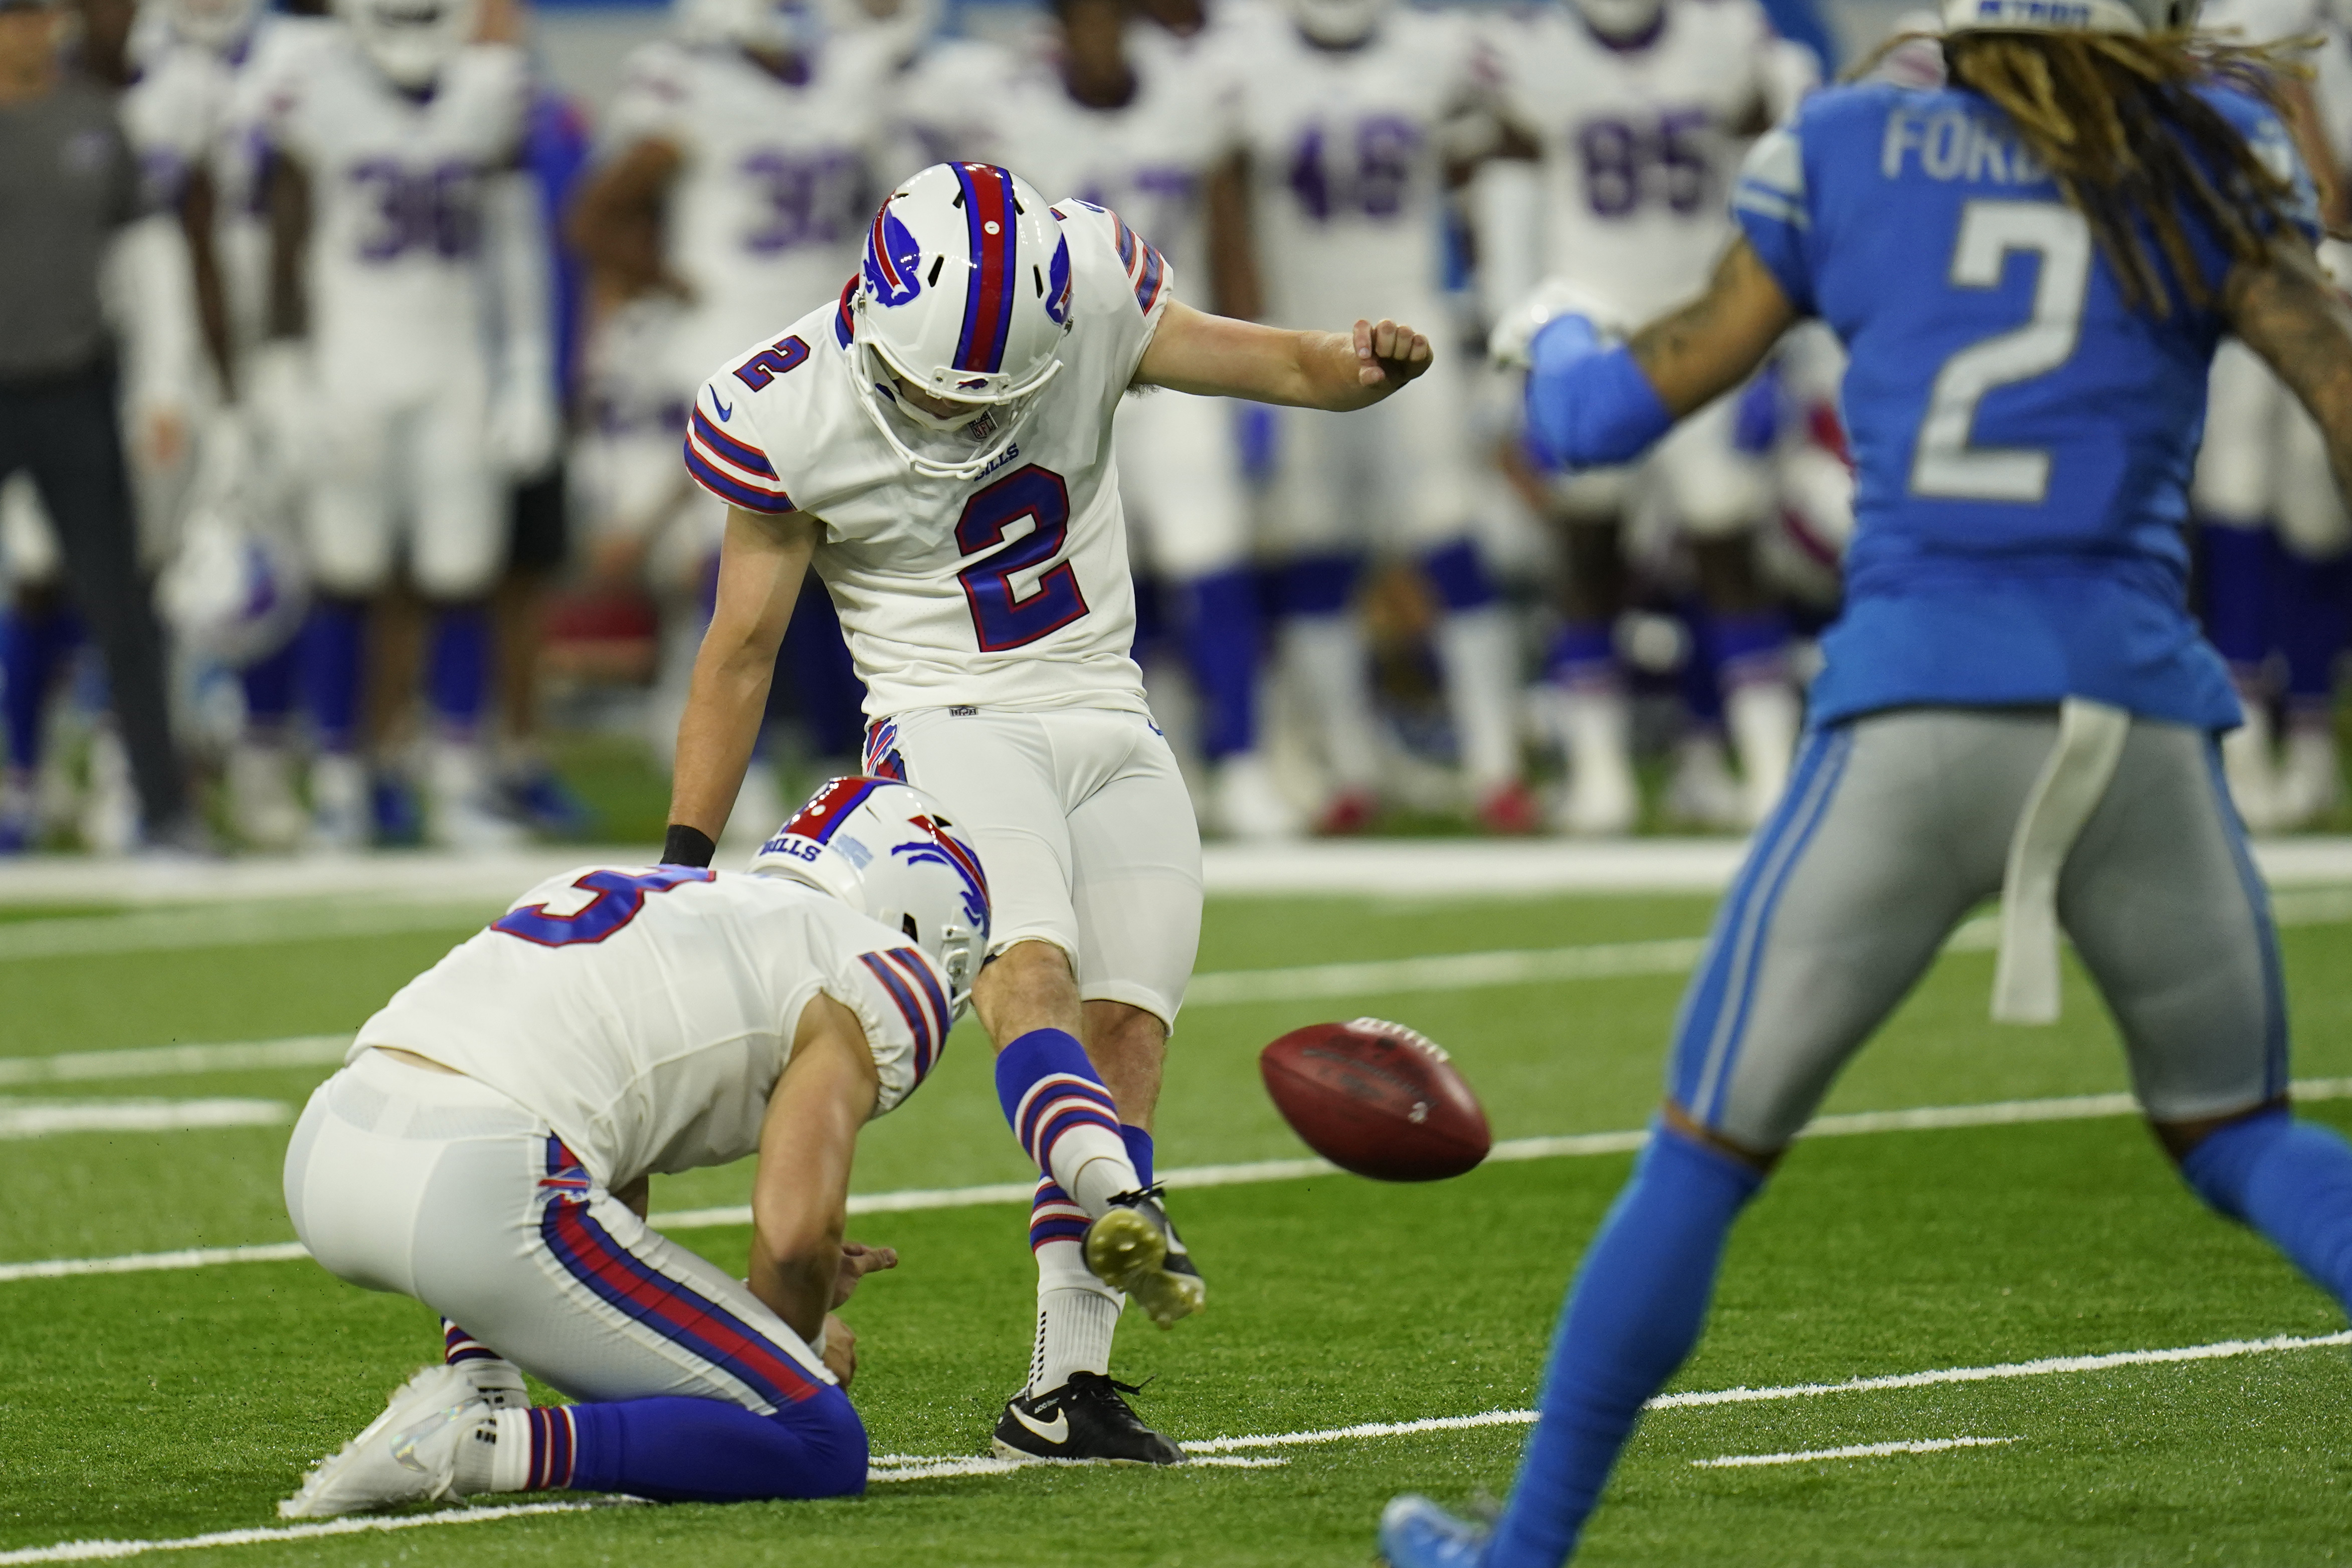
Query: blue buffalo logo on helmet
(893, 260)
(1057, 284)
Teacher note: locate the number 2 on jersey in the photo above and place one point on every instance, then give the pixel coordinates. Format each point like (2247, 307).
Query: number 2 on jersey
(1945, 463)
(619, 897)
(1003, 617)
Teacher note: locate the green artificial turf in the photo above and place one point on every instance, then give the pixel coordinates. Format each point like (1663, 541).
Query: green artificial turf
(158, 1405)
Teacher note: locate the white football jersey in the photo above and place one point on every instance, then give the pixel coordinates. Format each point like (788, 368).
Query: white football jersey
(398, 284)
(1640, 144)
(1147, 159)
(1347, 166)
(1010, 590)
(776, 182)
(647, 1012)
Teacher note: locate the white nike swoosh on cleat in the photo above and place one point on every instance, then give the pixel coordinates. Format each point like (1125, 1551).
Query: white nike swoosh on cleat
(1057, 1431)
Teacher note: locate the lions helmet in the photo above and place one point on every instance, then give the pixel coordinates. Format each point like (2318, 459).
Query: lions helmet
(964, 296)
(411, 41)
(888, 851)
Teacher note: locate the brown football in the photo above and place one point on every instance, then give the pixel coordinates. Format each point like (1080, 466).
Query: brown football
(1377, 1099)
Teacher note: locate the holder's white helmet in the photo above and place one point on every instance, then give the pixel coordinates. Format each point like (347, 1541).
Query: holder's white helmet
(2135, 17)
(1339, 24)
(964, 295)
(213, 23)
(887, 850)
(411, 41)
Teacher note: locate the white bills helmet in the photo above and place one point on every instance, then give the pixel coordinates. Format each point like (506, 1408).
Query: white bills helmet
(232, 593)
(411, 41)
(1339, 24)
(964, 295)
(2133, 17)
(774, 26)
(887, 850)
(1620, 20)
(211, 24)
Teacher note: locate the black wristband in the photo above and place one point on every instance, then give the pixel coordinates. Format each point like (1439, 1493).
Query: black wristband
(686, 846)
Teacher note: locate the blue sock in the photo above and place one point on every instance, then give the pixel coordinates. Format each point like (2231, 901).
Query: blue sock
(678, 1449)
(1138, 1150)
(2314, 598)
(1583, 654)
(269, 689)
(1634, 1313)
(1459, 576)
(1750, 647)
(332, 646)
(1700, 678)
(1218, 616)
(1316, 584)
(2290, 1181)
(2237, 562)
(28, 666)
(1056, 1104)
(457, 668)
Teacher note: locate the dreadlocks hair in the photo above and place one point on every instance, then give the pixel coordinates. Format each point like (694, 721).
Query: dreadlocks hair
(2120, 125)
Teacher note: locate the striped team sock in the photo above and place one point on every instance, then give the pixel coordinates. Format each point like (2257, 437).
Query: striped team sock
(525, 1450)
(493, 1377)
(1064, 1117)
(1076, 1313)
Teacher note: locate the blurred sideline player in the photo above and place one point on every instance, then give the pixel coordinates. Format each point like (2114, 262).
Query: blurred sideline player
(740, 162)
(1639, 110)
(1342, 125)
(1140, 133)
(2015, 698)
(936, 444)
(2273, 525)
(488, 1146)
(407, 251)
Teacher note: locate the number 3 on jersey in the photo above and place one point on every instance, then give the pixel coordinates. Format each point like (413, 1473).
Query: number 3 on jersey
(619, 897)
(1945, 463)
(1002, 616)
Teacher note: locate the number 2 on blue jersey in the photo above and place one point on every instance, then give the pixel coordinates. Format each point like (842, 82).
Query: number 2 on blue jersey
(1945, 463)
(619, 897)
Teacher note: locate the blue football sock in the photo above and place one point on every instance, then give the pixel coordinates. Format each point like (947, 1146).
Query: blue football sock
(1583, 654)
(269, 689)
(1218, 616)
(2314, 597)
(1458, 574)
(1316, 584)
(1633, 1317)
(1749, 647)
(30, 646)
(458, 670)
(332, 647)
(1059, 1109)
(1700, 678)
(2237, 591)
(1138, 1150)
(677, 1449)
(2290, 1181)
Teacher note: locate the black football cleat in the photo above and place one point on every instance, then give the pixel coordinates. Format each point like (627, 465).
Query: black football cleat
(1131, 1247)
(1086, 1418)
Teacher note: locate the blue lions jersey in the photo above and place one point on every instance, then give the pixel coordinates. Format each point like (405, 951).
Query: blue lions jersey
(2023, 437)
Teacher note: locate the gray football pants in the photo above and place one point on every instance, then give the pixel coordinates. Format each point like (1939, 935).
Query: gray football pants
(1894, 828)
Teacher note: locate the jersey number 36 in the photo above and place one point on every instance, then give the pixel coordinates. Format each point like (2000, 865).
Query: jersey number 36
(1002, 616)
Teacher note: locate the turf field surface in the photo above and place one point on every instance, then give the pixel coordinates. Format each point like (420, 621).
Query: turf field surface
(165, 1404)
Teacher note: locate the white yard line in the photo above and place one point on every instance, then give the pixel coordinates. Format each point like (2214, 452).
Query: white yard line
(99, 1551)
(45, 1118)
(909, 1468)
(1210, 1451)
(1919, 1119)
(1856, 1451)
(230, 925)
(175, 1061)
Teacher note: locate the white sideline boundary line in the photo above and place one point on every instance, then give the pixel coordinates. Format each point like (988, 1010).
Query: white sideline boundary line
(1920, 1119)
(45, 1118)
(1853, 1451)
(1212, 1451)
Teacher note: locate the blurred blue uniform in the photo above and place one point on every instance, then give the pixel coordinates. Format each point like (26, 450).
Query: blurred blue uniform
(2024, 438)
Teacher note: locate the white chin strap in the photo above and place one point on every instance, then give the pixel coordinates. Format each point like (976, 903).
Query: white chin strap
(872, 366)
(2043, 16)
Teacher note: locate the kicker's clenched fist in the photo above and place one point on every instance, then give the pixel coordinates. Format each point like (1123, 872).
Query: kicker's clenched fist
(1388, 354)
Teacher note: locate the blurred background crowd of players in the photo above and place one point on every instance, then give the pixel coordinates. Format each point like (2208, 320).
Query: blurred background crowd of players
(414, 296)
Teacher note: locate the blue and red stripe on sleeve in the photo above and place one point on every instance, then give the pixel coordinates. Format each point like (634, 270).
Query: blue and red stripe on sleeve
(730, 466)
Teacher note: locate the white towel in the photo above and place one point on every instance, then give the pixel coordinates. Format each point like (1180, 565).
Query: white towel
(2090, 742)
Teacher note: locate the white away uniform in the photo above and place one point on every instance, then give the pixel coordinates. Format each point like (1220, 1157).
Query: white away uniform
(399, 275)
(1148, 159)
(1348, 170)
(990, 618)
(1640, 143)
(775, 182)
(617, 1021)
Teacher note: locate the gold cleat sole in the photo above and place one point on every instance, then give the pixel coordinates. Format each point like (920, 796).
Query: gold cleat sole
(1128, 1252)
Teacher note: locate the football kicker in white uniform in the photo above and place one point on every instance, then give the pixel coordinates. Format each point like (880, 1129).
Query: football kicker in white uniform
(938, 444)
(1139, 131)
(1639, 110)
(1344, 119)
(424, 276)
(486, 1149)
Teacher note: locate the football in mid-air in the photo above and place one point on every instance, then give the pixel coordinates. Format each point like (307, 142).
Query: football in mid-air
(1377, 1099)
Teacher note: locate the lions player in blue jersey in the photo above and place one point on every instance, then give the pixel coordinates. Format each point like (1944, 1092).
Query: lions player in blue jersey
(2030, 268)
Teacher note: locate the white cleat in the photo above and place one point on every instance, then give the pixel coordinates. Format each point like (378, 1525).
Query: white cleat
(408, 1454)
(110, 812)
(1249, 804)
(342, 819)
(1764, 717)
(1596, 730)
(261, 797)
(463, 816)
(2310, 780)
(1702, 792)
